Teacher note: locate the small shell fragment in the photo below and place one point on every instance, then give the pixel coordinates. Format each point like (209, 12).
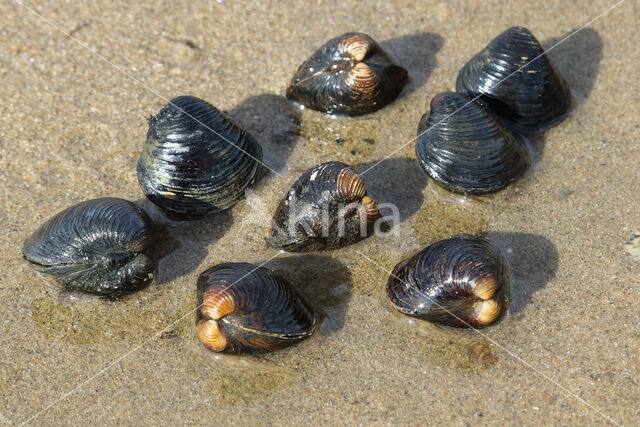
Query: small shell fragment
(632, 247)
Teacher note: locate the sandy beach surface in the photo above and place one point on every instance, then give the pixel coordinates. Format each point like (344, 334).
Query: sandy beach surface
(79, 80)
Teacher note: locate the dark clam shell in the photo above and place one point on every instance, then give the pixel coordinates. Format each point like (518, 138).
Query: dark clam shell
(531, 98)
(326, 208)
(350, 74)
(97, 246)
(465, 149)
(244, 308)
(195, 160)
(461, 282)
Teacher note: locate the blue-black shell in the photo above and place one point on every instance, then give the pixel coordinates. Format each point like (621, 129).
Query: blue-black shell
(98, 246)
(447, 283)
(514, 77)
(326, 208)
(267, 314)
(196, 160)
(464, 148)
(350, 74)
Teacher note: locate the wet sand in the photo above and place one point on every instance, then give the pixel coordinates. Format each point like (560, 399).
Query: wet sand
(71, 129)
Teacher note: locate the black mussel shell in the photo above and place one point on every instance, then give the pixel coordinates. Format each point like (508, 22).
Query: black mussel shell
(465, 149)
(97, 246)
(247, 309)
(195, 160)
(350, 74)
(531, 98)
(326, 208)
(461, 282)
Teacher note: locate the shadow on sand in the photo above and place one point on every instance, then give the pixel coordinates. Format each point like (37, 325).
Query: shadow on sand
(533, 262)
(396, 180)
(577, 59)
(274, 122)
(181, 246)
(324, 282)
(417, 54)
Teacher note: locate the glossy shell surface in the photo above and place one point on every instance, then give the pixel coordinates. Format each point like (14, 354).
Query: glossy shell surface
(517, 81)
(244, 308)
(195, 160)
(465, 149)
(326, 208)
(350, 74)
(98, 246)
(461, 282)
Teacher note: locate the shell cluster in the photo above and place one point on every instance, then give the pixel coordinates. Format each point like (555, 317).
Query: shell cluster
(469, 141)
(461, 282)
(350, 74)
(99, 246)
(195, 161)
(244, 308)
(326, 208)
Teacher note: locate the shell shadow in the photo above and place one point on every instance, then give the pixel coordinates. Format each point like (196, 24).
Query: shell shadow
(536, 143)
(396, 181)
(324, 282)
(577, 59)
(181, 246)
(533, 262)
(274, 122)
(417, 54)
